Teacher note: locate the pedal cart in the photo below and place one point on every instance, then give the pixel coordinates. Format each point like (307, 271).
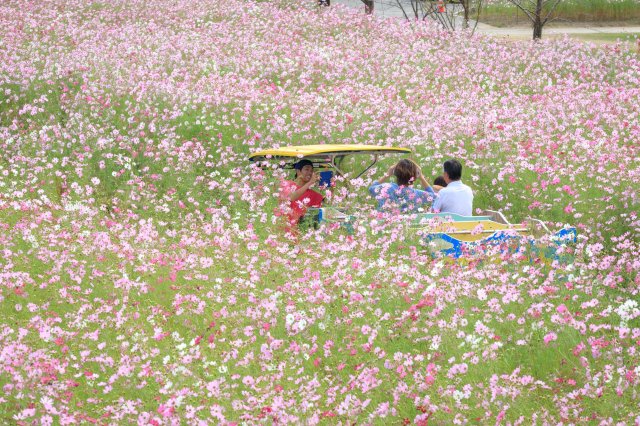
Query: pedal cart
(447, 233)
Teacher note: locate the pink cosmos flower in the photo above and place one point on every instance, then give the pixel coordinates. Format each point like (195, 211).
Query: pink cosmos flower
(550, 337)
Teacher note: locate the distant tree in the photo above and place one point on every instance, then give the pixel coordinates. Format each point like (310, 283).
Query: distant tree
(451, 14)
(369, 5)
(470, 7)
(538, 12)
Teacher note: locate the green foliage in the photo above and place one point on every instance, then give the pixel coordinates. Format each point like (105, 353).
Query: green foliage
(505, 14)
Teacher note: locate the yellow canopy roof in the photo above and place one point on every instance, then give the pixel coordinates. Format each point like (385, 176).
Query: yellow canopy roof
(323, 150)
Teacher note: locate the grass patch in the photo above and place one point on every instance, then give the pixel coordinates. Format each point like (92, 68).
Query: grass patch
(608, 37)
(595, 11)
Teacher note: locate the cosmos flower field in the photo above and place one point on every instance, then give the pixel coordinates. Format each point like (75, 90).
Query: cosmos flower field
(145, 279)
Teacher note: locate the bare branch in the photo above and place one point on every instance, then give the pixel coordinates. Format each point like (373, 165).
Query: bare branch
(402, 8)
(557, 18)
(526, 11)
(473, 31)
(553, 7)
(429, 9)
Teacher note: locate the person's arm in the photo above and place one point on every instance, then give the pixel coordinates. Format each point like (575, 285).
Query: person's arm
(425, 184)
(387, 175)
(430, 194)
(437, 203)
(295, 195)
(373, 189)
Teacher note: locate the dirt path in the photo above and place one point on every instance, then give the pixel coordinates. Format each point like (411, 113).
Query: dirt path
(524, 32)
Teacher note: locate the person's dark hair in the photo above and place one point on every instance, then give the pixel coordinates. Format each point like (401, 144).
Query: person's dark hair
(453, 169)
(300, 164)
(440, 181)
(406, 171)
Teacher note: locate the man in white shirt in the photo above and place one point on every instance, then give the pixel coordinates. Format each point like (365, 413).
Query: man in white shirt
(456, 197)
